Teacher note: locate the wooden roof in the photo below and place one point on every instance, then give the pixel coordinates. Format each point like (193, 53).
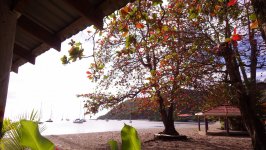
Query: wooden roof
(184, 115)
(223, 110)
(44, 24)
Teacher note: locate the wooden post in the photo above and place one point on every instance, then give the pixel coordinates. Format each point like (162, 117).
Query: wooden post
(7, 37)
(199, 122)
(227, 125)
(206, 124)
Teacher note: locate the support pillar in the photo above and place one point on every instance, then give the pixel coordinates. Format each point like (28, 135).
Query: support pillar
(8, 21)
(206, 124)
(199, 122)
(227, 125)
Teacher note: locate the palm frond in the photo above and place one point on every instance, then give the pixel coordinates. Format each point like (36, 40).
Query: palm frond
(12, 133)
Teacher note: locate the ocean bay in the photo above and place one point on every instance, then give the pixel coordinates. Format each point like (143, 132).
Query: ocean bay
(90, 126)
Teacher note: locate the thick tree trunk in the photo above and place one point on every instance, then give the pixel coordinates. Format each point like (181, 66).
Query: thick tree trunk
(252, 122)
(260, 10)
(169, 126)
(167, 117)
(168, 121)
(246, 102)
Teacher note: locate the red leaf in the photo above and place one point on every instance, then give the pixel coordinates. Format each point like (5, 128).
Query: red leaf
(231, 3)
(158, 73)
(139, 25)
(172, 78)
(165, 38)
(151, 32)
(88, 72)
(236, 37)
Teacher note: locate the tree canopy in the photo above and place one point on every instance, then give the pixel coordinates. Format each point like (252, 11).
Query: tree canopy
(155, 49)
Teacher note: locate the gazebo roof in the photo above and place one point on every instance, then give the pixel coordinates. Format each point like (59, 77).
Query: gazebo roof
(44, 24)
(223, 110)
(184, 115)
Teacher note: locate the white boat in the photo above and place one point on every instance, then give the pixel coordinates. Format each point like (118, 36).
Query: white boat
(78, 121)
(49, 120)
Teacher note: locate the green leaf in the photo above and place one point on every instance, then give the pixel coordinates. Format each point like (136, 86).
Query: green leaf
(165, 28)
(100, 66)
(154, 15)
(77, 44)
(252, 17)
(227, 39)
(127, 41)
(153, 72)
(105, 77)
(193, 13)
(130, 140)
(64, 60)
(31, 137)
(156, 2)
(113, 144)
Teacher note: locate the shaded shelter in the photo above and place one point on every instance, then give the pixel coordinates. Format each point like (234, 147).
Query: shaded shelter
(219, 111)
(29, 28)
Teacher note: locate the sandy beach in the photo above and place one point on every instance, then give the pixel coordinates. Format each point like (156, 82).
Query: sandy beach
(98, 141)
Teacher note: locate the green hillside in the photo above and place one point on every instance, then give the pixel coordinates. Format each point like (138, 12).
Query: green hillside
(132, 109)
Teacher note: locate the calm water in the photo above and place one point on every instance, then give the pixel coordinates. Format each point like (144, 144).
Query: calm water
(68, 127)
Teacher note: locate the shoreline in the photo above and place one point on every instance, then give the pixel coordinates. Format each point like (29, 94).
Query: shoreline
(92, 126)
(99, 140)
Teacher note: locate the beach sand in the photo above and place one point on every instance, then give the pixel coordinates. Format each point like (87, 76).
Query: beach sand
(196, 141)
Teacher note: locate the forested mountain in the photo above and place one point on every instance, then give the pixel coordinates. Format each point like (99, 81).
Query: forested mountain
(136, 108)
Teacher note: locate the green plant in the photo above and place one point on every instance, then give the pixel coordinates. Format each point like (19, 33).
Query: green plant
(31, 137)
(130, 139)
(23, 134)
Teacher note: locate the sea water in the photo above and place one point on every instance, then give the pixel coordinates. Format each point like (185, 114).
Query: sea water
(68, 127)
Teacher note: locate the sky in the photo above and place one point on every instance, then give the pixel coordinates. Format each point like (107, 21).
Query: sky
(50, 87)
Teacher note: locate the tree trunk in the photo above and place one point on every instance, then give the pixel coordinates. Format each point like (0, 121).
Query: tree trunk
(252, 122)
(167, 116)
(246, 102)
(169, 126)
(260, 10)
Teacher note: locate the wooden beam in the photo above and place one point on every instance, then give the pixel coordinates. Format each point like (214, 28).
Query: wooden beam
(39, 32)
(19, 5)
(20, 51)
(86, 9)
(8, 21)
(14, 69)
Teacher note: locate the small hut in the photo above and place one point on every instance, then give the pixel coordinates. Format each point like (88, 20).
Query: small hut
(219, 111)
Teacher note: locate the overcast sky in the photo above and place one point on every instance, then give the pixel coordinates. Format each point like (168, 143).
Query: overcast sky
(50, 86)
